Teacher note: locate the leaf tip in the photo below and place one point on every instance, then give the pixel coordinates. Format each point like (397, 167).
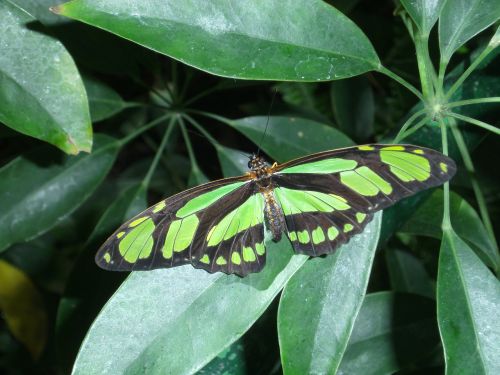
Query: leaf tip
(57, 9)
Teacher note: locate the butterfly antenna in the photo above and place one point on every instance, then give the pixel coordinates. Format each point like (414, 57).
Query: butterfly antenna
(267, 122)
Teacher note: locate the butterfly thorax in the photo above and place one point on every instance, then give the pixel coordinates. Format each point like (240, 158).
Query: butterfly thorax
(261, 171)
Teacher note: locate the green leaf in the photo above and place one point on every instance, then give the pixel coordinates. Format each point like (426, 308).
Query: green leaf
(240, 39)
(176, 320)
(233, 162)
(89, 287)
(468, 297)
(34, 70)
(289, 137)
(320, 303)
(104, 102)
(461, 20)
(424, 13)
(407, 273)
(427, 222)
(41, 188)
(354, 107)
(392, 332)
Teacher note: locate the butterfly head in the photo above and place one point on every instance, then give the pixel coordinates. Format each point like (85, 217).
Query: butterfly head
(256, 163)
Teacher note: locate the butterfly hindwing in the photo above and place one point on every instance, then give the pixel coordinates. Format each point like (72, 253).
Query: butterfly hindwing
(329, 197)
(175, 231)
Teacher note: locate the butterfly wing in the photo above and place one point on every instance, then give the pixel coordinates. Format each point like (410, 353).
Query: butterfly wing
(215, 226)
(330, 196)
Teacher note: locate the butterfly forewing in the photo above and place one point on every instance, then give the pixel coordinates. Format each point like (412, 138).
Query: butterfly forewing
(329, 197)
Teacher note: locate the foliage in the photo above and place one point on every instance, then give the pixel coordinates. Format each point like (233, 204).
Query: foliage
(156, 96)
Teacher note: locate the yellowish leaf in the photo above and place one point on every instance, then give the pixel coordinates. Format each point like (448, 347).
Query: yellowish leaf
(22, 308)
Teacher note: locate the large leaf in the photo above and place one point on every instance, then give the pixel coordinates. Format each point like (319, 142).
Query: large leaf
(320, 303)
(392, 332)
(468, 297)
(289, 137)
(41, 188)
(175, 321)
(427, 222)
(88, 286)
(34, 70)
(309, 41)
(424, 13)
(461, 20)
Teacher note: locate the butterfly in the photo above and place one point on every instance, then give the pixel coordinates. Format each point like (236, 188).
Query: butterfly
(318, 201)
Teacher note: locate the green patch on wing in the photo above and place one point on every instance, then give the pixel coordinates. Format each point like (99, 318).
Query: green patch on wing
(405, 165)
(298, 201)
(138, 243)
(248, 214)
(332, 165)
(365, 181)
(180, 235)
(204, 200)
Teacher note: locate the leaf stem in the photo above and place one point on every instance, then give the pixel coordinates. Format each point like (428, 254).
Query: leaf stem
(189, 146)
(493, 99)
(440, 81)
(425, 67)
(474, 121)
(446, 225)
(143, 129)
(416, 127)
(469, 166)
(127, 105)
(407, 124)
(468, 71)
(221, 119)
(159, 152)
(202, 130)
(401, 81)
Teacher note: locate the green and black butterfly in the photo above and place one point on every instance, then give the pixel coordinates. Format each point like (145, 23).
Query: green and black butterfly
(320, 201)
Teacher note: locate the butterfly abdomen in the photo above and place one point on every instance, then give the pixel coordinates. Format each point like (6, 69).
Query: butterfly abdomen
(274, 218)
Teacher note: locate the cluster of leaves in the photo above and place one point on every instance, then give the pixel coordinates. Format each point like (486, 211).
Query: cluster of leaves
(428, 300)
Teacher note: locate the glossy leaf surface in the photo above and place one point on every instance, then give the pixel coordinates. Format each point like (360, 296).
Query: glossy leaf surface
(309, 41)
(424, 13)
(461, 20)
(190, 315)
(319, 305)
(468, 297)
(35, 69)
